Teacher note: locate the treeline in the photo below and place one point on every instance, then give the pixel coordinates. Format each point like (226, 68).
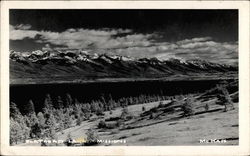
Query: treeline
(62, 113)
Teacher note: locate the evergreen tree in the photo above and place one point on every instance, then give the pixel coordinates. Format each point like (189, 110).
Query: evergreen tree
(18, 126)
(27, 121)
(33, 119)
(50, 125)
(68, 100)
(15, 131)
(36, 131)
(67, 119)
(78, 121)
(48, 104)
(224, 98)
(14, 111)
(41, 119)
(124, 113)
(187, 106)
(76, 101)
(59, 102)
(29, 108)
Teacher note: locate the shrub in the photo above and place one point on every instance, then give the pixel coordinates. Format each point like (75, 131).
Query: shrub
(143, 109)
(206, 107)
(160, 104)
(119, 123)
(102, 124)
(152, 116)
(112, 125)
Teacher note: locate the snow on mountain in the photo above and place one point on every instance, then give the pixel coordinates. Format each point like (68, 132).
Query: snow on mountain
(83, 63)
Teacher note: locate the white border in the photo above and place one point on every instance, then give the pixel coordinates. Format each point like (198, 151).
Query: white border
(242, 149)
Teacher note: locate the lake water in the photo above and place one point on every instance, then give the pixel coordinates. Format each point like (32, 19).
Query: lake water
(20, 94)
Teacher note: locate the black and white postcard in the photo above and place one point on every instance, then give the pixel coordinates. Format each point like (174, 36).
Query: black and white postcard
(122, 77)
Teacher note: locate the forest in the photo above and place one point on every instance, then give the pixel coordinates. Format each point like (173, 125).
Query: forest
(62, 113)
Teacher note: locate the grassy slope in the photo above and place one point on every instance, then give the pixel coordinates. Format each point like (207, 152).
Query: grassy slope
(184, 131)
(215, 124)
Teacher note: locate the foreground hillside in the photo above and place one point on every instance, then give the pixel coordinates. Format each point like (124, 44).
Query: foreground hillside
(206, 121)
(185, 131)
(78, 66)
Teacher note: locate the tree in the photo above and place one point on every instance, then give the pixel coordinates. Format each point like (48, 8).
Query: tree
(14, 111)
(41, 119)
(67, 119)
(124, 113)
(15, 131)
(224, 98)
(18, 130)
(33, 119)
(29, 108)
(187, 106)
(78, 121)
(59, 102)
(68, 100)
(48, 104)
(50, 125)
(36, 131)
(18, 126)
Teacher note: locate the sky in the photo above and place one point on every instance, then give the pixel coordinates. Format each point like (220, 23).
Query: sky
(183, 34)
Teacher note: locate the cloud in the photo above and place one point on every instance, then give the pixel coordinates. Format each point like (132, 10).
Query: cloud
(226, 53)
(23, 26)
(97, 39)
(47, 47)
(200, 39)
(127, 42)
(22, 31)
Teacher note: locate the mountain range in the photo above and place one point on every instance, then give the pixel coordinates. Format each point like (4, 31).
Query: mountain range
(80, 65)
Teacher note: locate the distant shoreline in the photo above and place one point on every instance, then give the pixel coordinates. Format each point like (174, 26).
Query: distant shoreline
(60, 80)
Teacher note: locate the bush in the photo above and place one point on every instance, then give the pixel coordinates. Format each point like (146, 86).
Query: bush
(102, 124)
(143, 109)
(112, 125)
(160, 104)
(152, 116)
(119, 123)
(206, 107)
